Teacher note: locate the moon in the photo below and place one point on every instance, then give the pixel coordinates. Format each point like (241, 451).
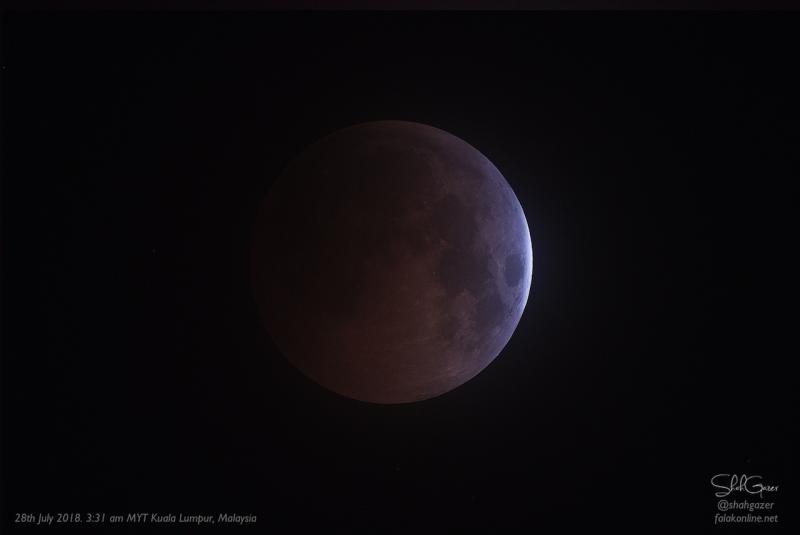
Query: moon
(391, 262)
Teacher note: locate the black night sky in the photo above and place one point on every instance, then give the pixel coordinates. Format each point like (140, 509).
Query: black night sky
(653, 154)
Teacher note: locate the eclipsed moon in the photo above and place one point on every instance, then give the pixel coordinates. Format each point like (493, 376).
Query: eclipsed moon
(391, 262)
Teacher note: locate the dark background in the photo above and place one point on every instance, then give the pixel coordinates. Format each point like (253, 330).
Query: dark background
(653, 154)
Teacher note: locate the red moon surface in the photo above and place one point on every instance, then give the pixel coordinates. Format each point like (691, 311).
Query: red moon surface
(391, 262)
